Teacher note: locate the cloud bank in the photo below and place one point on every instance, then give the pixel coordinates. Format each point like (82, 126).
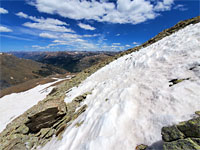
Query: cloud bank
(120, 11)
(48, 24)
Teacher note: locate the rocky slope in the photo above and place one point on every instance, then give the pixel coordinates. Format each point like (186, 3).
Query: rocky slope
(183, 136)
(37, 126)
(16, 70)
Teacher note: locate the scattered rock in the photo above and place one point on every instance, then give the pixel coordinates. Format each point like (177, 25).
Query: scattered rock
(78, 124)
(61, 129)
(184, 136)
(80, 111)
(171, 134)
(190, 128)
(22, 129)
(197, 113)
(53, 91)
(141, 147)
(80, 98)
(182, 144)
(176, 81)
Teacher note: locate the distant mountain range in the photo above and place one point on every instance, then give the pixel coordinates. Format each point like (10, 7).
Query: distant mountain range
(19, 67)
(70, 61)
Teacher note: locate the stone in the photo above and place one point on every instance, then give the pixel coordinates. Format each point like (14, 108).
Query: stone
(196, 140)
(44, 119)
(78, 124)
(80, 98)
(176, 81)
(43, 132)
(22, 129)
(61, 129)
(141, 147)
(80, 111)
(184, 136)
(182, 144)
(171, 134)
(197, 113)
(190, 128)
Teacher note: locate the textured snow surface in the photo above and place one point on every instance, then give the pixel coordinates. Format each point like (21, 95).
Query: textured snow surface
(13, 105)
(139, 100)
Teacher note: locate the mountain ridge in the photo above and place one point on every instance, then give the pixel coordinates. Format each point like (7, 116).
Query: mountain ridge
(71, 61)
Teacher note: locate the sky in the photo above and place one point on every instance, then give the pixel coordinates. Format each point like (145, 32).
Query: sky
(87, 25)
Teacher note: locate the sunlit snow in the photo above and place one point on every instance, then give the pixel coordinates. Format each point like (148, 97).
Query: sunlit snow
(139, 100)
(13, 105)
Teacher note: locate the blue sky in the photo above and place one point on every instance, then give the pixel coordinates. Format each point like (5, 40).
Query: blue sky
(73, 25)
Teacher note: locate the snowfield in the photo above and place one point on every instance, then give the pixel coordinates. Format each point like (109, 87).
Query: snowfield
(14, 105)
(131, 99)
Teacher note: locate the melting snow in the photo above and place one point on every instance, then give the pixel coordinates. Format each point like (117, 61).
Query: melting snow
(131, 99)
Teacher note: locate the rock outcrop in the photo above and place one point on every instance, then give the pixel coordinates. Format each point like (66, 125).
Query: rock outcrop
(184, 136)
(37, 127)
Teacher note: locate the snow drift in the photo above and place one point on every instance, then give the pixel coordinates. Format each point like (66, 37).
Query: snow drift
(131, 98)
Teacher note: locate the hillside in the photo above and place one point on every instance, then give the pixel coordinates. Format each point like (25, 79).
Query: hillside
(16, 70)
(71, 61)
(119, 103)
(132, 98)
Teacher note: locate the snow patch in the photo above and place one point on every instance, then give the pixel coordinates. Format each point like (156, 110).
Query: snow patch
(15, 104)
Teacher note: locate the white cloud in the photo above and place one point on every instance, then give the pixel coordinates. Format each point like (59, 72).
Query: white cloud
(60, 42)
(180, 7)
(164, 5)
(127, 45)
(48, 27)
(86, 26)
(48, 24)
(48, 35)
(4, 29)
(90, 35)
(48, 21)
(116, 43)
(118, 34)
(36, 46)
(21, 14)
(121, 11)
(3, 11)
(69, 36)
(135, 43)
(66, 36)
